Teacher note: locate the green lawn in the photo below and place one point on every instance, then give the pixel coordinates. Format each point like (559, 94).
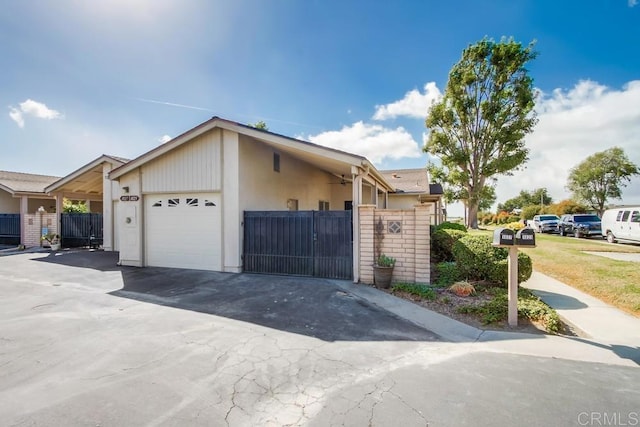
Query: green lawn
(564, 258)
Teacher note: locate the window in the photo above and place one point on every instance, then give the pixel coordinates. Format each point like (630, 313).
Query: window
(172, 203)
(323, 205)
(635, 216)
(292, 204)
(157, 204)
(348, 205)
(192, 202)
(619, 217)
(209, 203)
(276, 162)
(625, 215)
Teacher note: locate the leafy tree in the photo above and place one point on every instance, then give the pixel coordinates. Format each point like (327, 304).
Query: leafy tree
(528, 212)
(260, 125)
(600, 178)
(74, 206)
(526, 198)
(477, 129)
(567, 206)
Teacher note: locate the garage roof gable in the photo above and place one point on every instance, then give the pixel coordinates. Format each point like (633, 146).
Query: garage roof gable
(270, 137)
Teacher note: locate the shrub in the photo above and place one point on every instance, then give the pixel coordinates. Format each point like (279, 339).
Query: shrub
(422, 291)
(442, 241)
(475, 256)
(462, 288)
(500, 272)
(447, 273)
(529, 306)
(451, 226)
(477, 259)
(515, 226)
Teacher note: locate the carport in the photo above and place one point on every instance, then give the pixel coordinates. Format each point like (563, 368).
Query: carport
(89, 184)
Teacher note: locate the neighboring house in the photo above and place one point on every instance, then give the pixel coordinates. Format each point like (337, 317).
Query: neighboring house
(21, 196)
(183, 203)
(90, 184)
(413, 187)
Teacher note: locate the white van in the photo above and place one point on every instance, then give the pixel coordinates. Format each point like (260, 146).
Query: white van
(622, 224)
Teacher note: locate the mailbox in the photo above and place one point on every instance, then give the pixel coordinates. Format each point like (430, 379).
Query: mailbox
(504, 237)
(526, 237)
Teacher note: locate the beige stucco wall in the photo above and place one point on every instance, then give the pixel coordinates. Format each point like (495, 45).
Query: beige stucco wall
(402, 201)
(410, 247)
(262, 188)
(8, 203)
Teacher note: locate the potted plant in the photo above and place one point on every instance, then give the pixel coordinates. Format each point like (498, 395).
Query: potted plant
(53, 240)
(383, 271)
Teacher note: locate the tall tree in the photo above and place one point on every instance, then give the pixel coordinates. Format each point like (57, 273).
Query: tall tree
(477, 129)
(539, 196)
(600, 177)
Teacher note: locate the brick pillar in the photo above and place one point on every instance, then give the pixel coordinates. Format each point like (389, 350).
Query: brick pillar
(423, 243)
(366, 255)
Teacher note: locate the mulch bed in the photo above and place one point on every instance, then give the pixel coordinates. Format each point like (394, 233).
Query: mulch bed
(447, 304)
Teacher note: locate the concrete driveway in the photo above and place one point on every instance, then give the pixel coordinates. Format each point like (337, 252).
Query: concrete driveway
(83, 342)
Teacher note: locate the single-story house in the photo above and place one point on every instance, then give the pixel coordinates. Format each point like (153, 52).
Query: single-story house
(414, 186)
(185, 203)
(21, 196)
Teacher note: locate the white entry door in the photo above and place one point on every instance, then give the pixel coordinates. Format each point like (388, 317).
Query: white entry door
(184, 231)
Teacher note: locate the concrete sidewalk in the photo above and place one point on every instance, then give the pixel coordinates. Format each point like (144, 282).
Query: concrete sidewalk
(601, 322)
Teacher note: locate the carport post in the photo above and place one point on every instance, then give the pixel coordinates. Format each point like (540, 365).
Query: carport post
(513, 286)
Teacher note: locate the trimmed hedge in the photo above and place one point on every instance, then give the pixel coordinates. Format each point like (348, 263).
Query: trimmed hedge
(451, 226)
(442, 241)
(477, 259)
(447, 273)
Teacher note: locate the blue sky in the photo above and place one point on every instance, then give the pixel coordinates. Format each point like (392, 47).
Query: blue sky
(85, 78)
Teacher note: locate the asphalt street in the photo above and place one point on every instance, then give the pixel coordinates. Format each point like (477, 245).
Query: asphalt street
(84, 342)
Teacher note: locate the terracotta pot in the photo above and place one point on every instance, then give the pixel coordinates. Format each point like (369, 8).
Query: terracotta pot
(382, 276)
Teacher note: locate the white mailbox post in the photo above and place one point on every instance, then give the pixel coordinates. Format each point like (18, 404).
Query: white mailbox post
(506, 238)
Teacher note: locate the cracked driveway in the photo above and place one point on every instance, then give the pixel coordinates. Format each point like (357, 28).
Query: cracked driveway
(83, 342)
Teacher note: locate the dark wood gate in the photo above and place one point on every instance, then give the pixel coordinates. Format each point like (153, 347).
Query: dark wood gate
(10, 229)
(304, 243)
(81, 229)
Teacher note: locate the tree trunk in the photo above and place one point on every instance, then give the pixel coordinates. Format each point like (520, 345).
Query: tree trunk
(472, 215)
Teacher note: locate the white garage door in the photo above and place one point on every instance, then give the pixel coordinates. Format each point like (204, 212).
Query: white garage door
(183, 231)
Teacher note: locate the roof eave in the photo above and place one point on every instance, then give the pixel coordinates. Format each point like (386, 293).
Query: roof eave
(78, 172)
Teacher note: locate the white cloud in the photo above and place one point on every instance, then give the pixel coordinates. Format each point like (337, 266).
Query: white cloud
(414, 104)
(375, 142)
(164, 138)
(632, 3)
(32, 108)
(574, 124)
(16, 116)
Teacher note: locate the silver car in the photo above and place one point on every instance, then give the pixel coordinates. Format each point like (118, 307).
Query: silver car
(545, 223)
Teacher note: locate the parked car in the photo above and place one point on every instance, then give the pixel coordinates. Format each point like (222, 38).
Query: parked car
(622, 224)
(580, 225)
(544, 223)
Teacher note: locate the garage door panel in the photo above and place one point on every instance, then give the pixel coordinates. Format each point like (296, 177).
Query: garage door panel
(184, 231)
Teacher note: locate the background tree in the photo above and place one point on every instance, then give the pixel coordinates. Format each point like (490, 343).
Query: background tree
(74, 206)
(600, 177)
(567, 206)
(260, 125)
(478, 127)
(539, 196)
